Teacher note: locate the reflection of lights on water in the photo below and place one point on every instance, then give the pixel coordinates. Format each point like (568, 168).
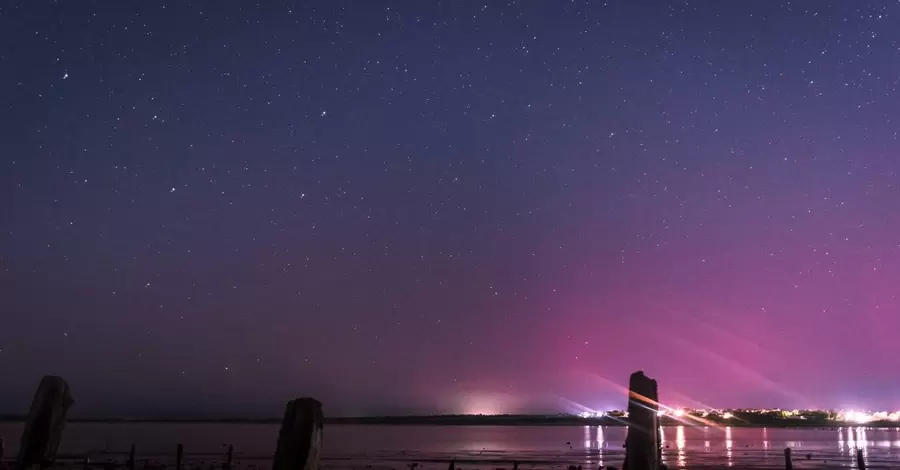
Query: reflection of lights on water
(861, 441)
(728, 444)
(851, 442)
(679, 443)
(593, 446)
(662, 443)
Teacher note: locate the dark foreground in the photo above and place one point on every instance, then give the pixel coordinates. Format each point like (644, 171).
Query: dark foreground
(423, 447)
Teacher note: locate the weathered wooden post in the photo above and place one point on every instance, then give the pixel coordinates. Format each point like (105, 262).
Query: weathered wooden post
(131, 458)
(642, 451)
(452, 465)
(2, 445)
(788, 464)
(179, 457)
(228, 457)
(45, 423)
(300, 438)
(860, 461)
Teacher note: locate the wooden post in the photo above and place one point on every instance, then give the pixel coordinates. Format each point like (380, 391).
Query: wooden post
(788, 464)
(131, 458)
(642, 451)
(515, 465)
(87, 463)
(860, 461)
(2, 444)
(229, 456)
(452, 465)
(179, 456)
(45, 423)
(300, 437)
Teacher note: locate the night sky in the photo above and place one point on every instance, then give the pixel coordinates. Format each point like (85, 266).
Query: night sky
(210, 207)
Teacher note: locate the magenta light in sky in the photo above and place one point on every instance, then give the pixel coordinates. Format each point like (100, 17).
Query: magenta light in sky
(402, 207)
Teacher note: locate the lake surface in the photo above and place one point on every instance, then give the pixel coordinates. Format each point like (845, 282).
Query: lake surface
(483, 447)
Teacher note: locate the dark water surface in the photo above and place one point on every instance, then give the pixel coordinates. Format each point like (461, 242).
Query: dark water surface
(484, 447)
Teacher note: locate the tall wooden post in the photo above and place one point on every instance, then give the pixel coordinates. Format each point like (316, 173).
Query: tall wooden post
(860, 461)
(642, 451)
(45, 423)
(300, 438)
(179, 457)
(2, 445)
(229, 457)
(131, 458)
(788, 464)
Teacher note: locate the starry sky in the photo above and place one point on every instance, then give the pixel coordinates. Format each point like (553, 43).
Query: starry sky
(210, 207)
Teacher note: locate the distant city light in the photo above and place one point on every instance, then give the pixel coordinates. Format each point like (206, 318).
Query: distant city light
(853, 417)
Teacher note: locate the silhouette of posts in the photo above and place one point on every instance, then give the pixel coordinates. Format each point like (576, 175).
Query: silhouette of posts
(131, 458)
(45, 423)
(179, 457)
(229, 457)
(788, 464)
(642, 451)
(860, 461)
(300, 438)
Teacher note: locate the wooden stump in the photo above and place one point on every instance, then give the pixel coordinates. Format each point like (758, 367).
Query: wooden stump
(642, 450)
(45, 423)
(229, 456)
(131, 458)
(300, 438)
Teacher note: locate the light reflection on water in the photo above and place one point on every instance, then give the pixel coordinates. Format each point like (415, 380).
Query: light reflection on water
(729, 443)
(679, 444)
(593, 445)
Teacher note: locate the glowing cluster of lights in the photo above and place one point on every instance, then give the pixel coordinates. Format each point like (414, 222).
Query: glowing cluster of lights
(863, 417)
(847, 416)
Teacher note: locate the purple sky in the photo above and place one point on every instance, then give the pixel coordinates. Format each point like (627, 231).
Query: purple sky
(412, 207)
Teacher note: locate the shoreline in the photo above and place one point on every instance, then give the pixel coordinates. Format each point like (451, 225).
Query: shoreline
(499, 420)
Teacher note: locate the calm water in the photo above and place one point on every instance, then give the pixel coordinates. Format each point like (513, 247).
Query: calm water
(486, 447)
